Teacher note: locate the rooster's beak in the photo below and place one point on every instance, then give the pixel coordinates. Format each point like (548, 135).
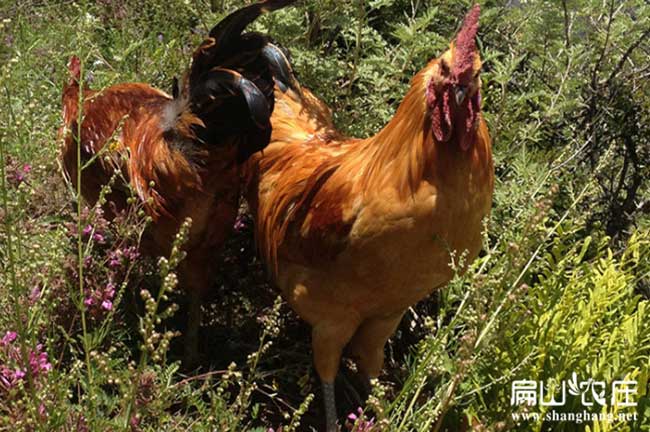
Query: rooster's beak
(461, 92)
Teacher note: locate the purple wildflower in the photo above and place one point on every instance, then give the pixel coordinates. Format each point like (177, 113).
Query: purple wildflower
(100, 300)
(240, 223)
(115, 258)
(131, 253)
(8, 338)
(34, 295)
(359, 422)
(109, 292)
(134, 422)
(80, 423)
(12, 372)
(38, 361)
(8, 377)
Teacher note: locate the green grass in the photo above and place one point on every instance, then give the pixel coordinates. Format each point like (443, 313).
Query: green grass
(562, 287)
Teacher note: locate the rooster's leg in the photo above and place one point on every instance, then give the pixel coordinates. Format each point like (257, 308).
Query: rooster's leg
(328, 340)
(367, 345)
(194, 277)
(330, 407)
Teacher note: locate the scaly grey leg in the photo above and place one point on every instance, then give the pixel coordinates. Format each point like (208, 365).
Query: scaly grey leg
(330, 407)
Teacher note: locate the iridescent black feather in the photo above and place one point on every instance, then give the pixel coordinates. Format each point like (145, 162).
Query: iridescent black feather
(230, 83)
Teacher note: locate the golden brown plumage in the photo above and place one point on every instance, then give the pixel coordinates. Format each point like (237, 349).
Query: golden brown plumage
(356, 231)
(184, 152)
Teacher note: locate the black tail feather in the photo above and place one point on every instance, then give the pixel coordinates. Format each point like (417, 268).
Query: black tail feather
(235, 23)
(220, 84)
(176, 88)
(221, 99)
(280, 68)
(229, 86)
(225, 37)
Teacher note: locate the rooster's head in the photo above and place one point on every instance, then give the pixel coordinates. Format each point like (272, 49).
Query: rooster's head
(74, 68)
(453, 88)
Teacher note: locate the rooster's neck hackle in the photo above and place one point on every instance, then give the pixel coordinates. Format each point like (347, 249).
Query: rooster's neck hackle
(406, 152)
(400, 153)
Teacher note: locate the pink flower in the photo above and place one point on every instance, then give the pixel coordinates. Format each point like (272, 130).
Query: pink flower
(115, 258)
(100, 300)
(359, 422)
(135, 423)
(38, 361)
(8, 338)
(87, 230)
(132, 253)
(82, 425)
(109, 291)
(240, 223)
(8, 377)
(17, 175)
(34, 295)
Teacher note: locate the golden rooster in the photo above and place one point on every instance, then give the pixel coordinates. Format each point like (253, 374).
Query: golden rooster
(184, 150)
(356, 231)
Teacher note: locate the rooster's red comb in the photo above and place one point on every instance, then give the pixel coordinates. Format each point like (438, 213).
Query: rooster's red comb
(466, 42)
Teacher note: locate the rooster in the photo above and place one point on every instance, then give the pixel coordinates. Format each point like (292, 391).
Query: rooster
(184, 150)
(355, 231)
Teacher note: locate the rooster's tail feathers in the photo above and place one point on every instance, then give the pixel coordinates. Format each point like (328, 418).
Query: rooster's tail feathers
(280, 68)
(222, 97)
(220, 84)
(202, 112)
(229, 88)
(226, 40)
(232, 26)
